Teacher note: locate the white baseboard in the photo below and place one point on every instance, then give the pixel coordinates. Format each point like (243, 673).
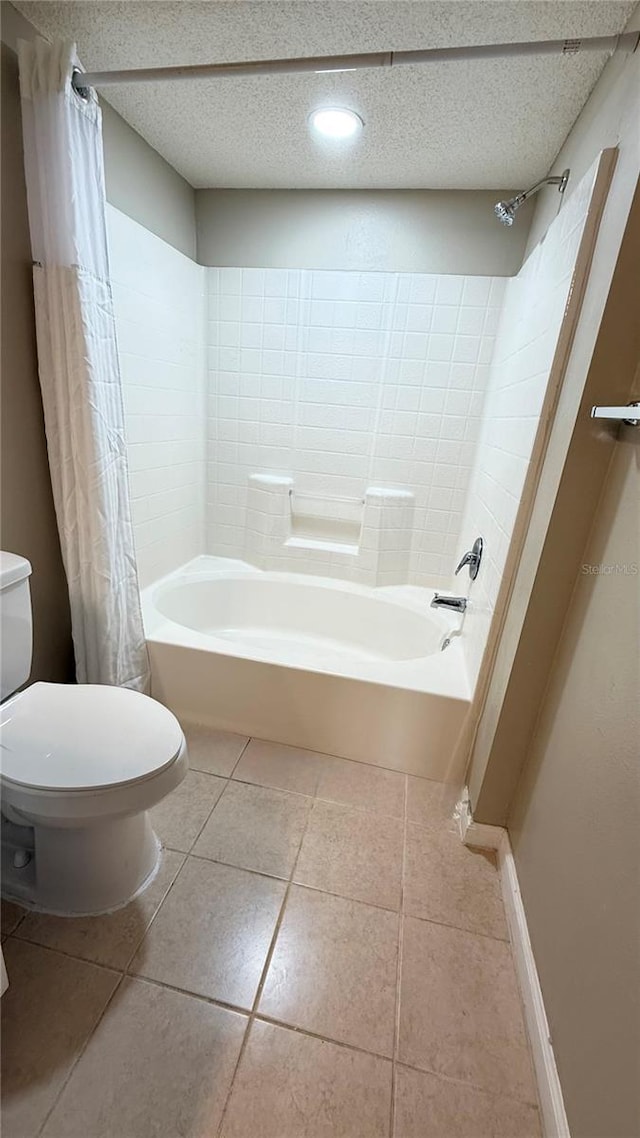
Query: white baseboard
(554, 1118)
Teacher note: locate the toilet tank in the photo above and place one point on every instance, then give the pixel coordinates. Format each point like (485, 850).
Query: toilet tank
(16, 634)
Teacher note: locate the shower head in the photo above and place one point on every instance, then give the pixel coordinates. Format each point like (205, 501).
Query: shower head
(506, 211)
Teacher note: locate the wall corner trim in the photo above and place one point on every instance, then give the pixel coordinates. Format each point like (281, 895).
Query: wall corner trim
(552, 1112)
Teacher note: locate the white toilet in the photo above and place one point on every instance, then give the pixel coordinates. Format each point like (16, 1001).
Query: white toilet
(80, 766)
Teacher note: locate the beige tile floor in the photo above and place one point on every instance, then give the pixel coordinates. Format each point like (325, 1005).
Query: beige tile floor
(318, 957)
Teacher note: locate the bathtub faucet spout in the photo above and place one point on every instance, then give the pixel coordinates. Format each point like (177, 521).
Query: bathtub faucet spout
(458, 604)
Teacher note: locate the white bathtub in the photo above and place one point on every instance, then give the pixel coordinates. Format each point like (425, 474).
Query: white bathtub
(309, 661)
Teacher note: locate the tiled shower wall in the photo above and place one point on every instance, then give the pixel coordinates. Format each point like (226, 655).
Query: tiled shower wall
(160, 307)
(528, 331)
(344, 381)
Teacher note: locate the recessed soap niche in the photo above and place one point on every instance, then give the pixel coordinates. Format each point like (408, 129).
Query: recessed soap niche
(323, 522)
(364, 539)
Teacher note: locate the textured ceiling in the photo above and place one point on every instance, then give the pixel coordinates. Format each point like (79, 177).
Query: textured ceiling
(465, 126)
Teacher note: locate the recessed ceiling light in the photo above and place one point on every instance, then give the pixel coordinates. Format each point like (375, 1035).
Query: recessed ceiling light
(335, 122)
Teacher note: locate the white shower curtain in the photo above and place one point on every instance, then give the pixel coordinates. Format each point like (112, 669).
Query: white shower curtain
(79, 368)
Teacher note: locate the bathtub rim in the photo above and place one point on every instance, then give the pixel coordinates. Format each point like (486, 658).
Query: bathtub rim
(442, 673)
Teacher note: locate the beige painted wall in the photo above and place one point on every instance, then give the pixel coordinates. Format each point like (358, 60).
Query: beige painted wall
(575, 823)
(600, 124)
(505, 725)
(141, 184)
(27, 519)
(574, 470)
(138, 180)
(413, 231)
(571, 698)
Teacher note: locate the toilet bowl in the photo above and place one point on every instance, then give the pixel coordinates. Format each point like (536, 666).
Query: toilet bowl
(80, 767)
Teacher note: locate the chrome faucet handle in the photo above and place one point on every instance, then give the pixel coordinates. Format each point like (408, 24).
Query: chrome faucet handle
(472, 558)
(468, 557)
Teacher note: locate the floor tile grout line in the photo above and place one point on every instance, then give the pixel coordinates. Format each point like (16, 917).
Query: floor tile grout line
(321, 754)
(67, 955)
(401, 911)
(396, 1026)
(155, 914)
(280, 919)
(252, 1014)
(343, 758)
(458, 928)
(261, 1017)
(213, 1001)
(270, 786)
(318, 798)
(242, 868)
(81, 1052)
(263, 977)
(226, 781)
(131, 959)
(18, 922)
(468, 1084)
(235, 765)
(315, 797)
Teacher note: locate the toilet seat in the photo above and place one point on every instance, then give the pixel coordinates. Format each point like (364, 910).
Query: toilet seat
(66, 738)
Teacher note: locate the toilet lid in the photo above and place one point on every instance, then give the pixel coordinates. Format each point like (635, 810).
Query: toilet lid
(85, 737)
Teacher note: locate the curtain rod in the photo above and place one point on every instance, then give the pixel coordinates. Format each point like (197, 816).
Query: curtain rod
(319, 64)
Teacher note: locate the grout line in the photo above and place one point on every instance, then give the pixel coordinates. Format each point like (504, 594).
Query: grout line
(273, 1022)
(67, 955)
(396, 1029)
(185, 857)
(301, 884)
(457, 928)
(316, 797)
(226, 783)
(214, 1001)
(344, 758)
(269, 786)
(159, 906)
(81, 1053)
(468, 1084)
(21, 918)
(263, 976)
(241, 868)
(235, 765)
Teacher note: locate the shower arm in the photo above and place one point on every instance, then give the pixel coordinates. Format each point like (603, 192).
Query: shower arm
(559, 180)
(82, 81)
